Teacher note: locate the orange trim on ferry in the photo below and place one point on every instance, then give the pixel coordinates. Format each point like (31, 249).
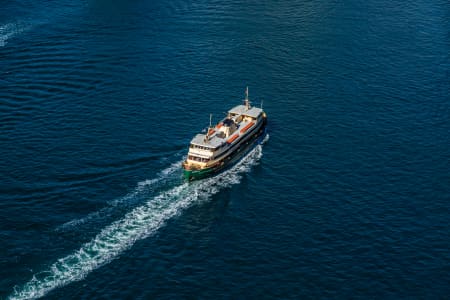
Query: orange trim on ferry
(211, 131)
(247, 127)
(231, 139)
(219, 125)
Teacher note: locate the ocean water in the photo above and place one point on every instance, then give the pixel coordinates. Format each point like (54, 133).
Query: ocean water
(349, 196)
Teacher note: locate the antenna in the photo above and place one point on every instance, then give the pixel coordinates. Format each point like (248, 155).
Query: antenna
(209, 128)
(246, 101)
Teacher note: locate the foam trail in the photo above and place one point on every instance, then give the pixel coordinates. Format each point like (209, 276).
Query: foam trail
(138, 224)
(9, 30)
(137, 192)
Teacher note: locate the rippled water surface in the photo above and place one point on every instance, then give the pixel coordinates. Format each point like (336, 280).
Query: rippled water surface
(348, 198)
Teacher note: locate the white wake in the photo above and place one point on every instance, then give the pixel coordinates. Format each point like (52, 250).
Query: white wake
(9, 30)
(137, 193)
(138, 224)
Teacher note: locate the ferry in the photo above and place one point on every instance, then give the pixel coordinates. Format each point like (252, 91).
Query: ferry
(223, 144)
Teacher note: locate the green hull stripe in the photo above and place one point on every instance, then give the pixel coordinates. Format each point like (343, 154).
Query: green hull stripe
(197, 174)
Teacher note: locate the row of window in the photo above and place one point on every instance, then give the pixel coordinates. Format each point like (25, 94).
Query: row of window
(192, 146)
(199, 159)
(199, 147)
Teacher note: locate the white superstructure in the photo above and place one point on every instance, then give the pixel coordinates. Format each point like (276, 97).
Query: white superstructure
(220, 141)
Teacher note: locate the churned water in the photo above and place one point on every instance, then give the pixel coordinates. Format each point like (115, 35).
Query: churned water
(349, 198)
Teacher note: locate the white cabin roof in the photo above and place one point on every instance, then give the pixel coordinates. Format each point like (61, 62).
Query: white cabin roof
(242, 110)
(214, 142)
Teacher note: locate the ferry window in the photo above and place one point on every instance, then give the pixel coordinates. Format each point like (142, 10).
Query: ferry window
(199, 159)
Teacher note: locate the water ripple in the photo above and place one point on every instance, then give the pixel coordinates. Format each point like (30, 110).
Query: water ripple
(138, 224)
(10, 30)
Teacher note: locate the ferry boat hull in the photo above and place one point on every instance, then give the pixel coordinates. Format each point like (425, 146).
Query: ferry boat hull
(230, 160)
(227, 142)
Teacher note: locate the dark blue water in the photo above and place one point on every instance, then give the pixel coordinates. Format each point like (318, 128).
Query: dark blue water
(349, 197)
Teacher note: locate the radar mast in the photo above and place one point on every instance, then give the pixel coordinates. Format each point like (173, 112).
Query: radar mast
(246, 101)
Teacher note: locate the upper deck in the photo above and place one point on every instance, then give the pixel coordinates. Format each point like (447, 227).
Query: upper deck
(252, 112)
(238, 118)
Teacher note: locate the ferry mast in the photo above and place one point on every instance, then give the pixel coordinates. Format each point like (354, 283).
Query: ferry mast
(246, 101)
